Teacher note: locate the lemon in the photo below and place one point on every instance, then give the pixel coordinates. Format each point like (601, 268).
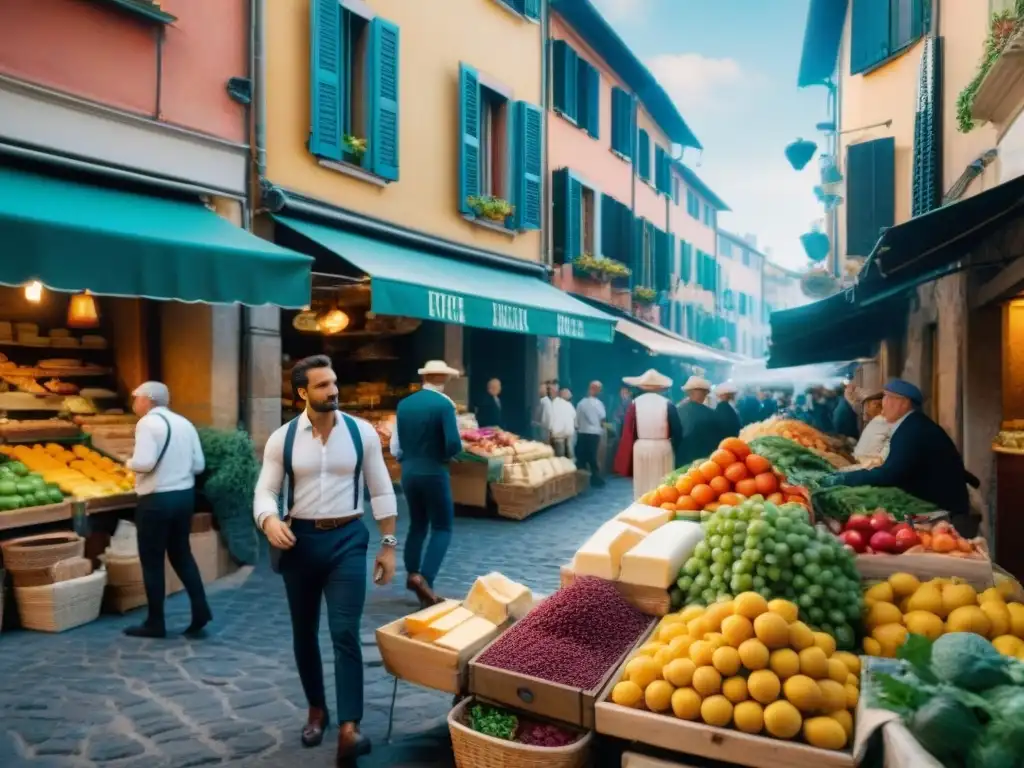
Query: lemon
(845, 719)
(748, 717)
(851, 679)
(882, 613)
(716, 710)
(838, 671)
(686, 704)
(679, 672)
(1016, 619)
(750, 605)
(772, 630)
(872, 647)
(903, 584)
(763, 686)
(681, 646)
(716, 639)
(627, 694)
(992, 593)
(753, 654)
(800, 636)
(735, 689)
(691, 612)
(957, 596)
(928, 597)
(716, 613)
(969, 618)
(649, 649)
(726, 660)
(785, 609)
(658, 696)
(833, 695)
(785, 663)
(736, 629)
(644, 672)
(669, 632)
(824, 733)
(1008, 645)
(851, 660)
(803, 693)
(852, 695)
(999, 616)
(814, 662)
(697, 628)
(701, 653)
(706, 681)
(664, 656)
(923, 623)
(782, 720)
(891, 636)
(826, 642)
(880, 592)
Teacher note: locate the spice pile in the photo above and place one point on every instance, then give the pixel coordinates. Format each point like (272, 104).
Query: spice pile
(573, 638)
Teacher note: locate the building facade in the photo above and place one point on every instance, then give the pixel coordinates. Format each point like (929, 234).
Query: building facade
(742, 303)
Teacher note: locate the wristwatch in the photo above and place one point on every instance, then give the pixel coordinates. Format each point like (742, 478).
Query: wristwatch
(388, 541)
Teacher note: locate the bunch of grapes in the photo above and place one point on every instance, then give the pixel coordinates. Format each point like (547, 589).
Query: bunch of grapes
(776, 552)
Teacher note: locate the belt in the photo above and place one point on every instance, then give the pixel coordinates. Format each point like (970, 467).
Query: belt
(324, 523)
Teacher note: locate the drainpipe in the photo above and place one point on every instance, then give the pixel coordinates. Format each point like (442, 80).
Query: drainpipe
(259, 75)
(632, 190)
(545, 42)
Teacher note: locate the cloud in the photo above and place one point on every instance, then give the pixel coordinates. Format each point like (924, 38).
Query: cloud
(621, 10)
(694, 81)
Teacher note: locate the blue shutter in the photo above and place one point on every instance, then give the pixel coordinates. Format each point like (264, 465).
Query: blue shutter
(566, 77)
(644, 155)
(575, 228)
(383, 74)
(326, 84)
(469, 128)
(670, 260)
(659, 167)
(589, 98)
(652, 251)
(927, 189)
(869, 38)
(620, 121)
(609, 226)
(531, 9)
(636, 251)
(685, 261)
(870, 193)
(529, 140)
(907, 22)
(560, 215)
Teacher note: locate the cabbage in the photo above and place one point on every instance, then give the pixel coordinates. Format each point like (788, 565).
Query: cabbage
(945, 727)
(968, 661)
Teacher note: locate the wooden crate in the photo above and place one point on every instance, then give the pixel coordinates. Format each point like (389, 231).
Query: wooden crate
(517, 502)
(975, 571)
(425, 664)
(22, 518)
(113, 503)
(649, 600)
(543, 698)
(469, 483)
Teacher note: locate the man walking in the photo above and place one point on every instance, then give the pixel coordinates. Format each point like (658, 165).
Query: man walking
(425, 438)
(316, 464)
(166, 459)
(563, 423)
(590, 426)
(702, 431)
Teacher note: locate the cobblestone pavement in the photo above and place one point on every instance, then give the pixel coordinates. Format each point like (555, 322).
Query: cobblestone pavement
(91, 697)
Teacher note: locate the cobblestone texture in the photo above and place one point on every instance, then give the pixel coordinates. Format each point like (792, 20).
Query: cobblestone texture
(91, 697)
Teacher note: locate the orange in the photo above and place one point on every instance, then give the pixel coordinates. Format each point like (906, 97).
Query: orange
(668, 494)
(757, 464)
(776, 498)
(669, 506)
(943, 542)
(746, 487)
(736, 472)
(736, 446)
(720, 485)
(684, 485)
(650, 499)
(796, 499)
(709, 470)
(695, 475)
(766, 483)
(702, 494)
(686, 504)
(723, 458)
(732, 499)
(712, 507)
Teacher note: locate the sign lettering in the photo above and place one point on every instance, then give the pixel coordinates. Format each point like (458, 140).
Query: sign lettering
(505, 317)
(571, 327)
(446, 307)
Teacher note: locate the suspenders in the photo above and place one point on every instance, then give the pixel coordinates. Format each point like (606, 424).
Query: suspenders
(287, 497)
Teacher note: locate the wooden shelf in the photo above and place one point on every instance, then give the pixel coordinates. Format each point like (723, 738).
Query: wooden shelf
(55, 373)
(57, 347)
(23, 518)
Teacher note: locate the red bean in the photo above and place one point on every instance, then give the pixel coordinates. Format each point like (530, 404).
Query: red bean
(573, 638)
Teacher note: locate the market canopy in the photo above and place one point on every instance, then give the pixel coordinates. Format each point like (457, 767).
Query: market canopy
(944, 241)
(662, 344)
(428, 286)
(72, 236)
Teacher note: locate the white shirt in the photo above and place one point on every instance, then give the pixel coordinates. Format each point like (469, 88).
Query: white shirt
(323, 473)
(874, 439)
(562, 419)
(545, 412)
(182, 461)
(590, 415)
(652, 417)
(394, 446)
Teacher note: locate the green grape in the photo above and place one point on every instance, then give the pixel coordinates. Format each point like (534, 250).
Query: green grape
(770, 558)
(726, 542)
(774, 573)
(759, 582)
(815, 591)
(716, 553)
(701, 550)
(717, 569)
(783, 524)
(715, 542)
(739, 528)
(737, 551)
(788, 577)
(746, 582)
(782, 550)
(800, 582)
(836, 617)
(805, 601)
(816, 615)
(709, 595)
(799, 560)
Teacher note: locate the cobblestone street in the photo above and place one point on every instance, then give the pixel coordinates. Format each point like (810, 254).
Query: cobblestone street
(91, 697)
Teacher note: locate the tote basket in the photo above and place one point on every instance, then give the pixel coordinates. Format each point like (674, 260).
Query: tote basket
(31, 553)
(476, 750)
(57, 607)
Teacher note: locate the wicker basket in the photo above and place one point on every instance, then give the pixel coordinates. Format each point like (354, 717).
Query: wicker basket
(41, 551)
(475, 750)
(57, 607)
(122, 571)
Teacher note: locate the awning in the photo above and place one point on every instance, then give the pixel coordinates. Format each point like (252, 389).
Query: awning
(418, 284)
(833, 330)
(663, 344)
(822, 36)
(72, 236)
(942, 242)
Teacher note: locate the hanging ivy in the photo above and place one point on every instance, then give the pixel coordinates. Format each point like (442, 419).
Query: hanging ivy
(1003, 28)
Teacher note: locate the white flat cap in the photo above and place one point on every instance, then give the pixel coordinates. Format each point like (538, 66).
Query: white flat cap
(155, 391)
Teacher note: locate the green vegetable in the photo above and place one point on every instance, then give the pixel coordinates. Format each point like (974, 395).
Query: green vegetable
(491, 721)
(800, 465)
(18, 468)
(842, 501)
(945, 727)
(991, 752)
(968, 661)
(8, 488)
(228, 484)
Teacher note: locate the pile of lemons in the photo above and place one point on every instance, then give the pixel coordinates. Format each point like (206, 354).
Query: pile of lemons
(748, 663)
(79, 471)
(902, 605)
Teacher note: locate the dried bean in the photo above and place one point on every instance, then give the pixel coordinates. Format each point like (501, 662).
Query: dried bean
(573, 638)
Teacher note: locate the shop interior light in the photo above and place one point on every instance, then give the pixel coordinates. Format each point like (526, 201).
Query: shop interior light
(333, 321)
(34, 292)
(83, 312)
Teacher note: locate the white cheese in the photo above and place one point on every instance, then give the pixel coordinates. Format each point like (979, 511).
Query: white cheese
(645, 517)
(655, 561)
(418, 623)
(601, 555)
(475, 630)
(445, 624)
(497, 598)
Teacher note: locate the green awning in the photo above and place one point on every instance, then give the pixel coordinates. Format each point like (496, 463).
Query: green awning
(72, 236)
(424, 285)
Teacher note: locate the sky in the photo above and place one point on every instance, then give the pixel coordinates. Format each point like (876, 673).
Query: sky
(731, 68)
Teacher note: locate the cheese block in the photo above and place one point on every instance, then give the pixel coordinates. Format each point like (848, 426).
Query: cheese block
(419, 622)
(468, 633)
(644, 517)
(445, 624)
(496, 598)
(655, 561)
(602, 553)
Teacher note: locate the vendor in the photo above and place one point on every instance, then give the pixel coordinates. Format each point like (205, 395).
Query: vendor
(726, 410)
(922, 459)
(702, 429)
(874, 437)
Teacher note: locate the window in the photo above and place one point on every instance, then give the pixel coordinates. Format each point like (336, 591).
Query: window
(685, 262)
(354, 90)
(500, 151)
(622, 123)
(675, 189)
(884, 28)
(707, 272)
(746, 258)
(643, 158)
(725, 248)
(575, 213)
(664, 247)
(577, 88)
(528, 8)
(588, 90)
(616, 229)
(692, 204)
(710, 215)
(588, 225)
(870, 193)
(662, 170)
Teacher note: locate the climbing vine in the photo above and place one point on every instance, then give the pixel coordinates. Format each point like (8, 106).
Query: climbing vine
(1004, 26)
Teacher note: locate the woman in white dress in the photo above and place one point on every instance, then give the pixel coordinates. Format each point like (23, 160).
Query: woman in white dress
(650, 434)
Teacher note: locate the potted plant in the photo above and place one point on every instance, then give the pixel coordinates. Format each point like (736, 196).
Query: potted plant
(644, 296)
(599, 269)
(1003, 27)
(354, 147)
(490, 207)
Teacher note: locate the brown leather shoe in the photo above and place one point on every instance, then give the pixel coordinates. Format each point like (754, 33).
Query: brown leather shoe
(313, 730)
(351, 745)
(418, 585)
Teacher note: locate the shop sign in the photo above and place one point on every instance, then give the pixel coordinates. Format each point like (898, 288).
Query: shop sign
(505, 317)
(571, 327)
(446, 307)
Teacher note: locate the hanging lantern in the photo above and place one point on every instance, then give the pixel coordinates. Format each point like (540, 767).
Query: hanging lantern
(816, 246)
(800, 152)
(819, 284)
(83, 312)
(305, 321)
(829, 173)
(34, 292)
(332, 322)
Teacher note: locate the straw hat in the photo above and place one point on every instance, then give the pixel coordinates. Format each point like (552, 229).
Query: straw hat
(697, 382)
(651, 380)
(726, 388)
(438, 368)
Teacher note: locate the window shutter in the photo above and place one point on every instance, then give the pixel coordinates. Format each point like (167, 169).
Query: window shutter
(574, 225)
(636, 263)
(927, 191)
(685, 261)
(621, 122)
(529, 149)
(559, 215)
(870, 193)
(531, 9)
(644, 155)
(650, 254)
(609, 226)
(670, 261)
(662, 261)
(659, 168)
(384, 128)
(625, 229)
(907, 22)
(869, 43)
(566, 77)
(591, 106)
(469, 127)
(326, 97)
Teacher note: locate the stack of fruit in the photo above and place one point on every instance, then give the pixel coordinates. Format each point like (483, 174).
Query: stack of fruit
(749, 663)
(776, 552)
(902, 605)
(880, 533)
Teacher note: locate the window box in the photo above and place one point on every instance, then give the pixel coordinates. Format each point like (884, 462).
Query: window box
(570, 279)
(644, 297)
(651, 313)
(996, 94)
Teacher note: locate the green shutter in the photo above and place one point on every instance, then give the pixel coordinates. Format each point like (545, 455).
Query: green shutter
(609, 226)
(383, 75)
(636, 261)
(326, 83)
(575, 222)
(869, 37)
(870, 193)
(659, 167)
(685, 261)
(531, 9)
(559, 215)
(589, 98)
(907, 22)
(529, 148)
(644, 155)
(625, 229)
(566, 77)
(621, 122)
(469, 129)
(927, 183)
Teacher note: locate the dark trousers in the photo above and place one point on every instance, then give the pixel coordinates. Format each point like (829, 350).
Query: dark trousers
(164, 523)
(432, 512)
(332, 565)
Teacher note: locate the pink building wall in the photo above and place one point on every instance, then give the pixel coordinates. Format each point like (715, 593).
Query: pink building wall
(688, 228)
(103, 55)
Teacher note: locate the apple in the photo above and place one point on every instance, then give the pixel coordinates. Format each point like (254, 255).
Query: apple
(880, 521)
(883, 541)
(906, 538)
(860, 523)
(854, 540)
(904, 526)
